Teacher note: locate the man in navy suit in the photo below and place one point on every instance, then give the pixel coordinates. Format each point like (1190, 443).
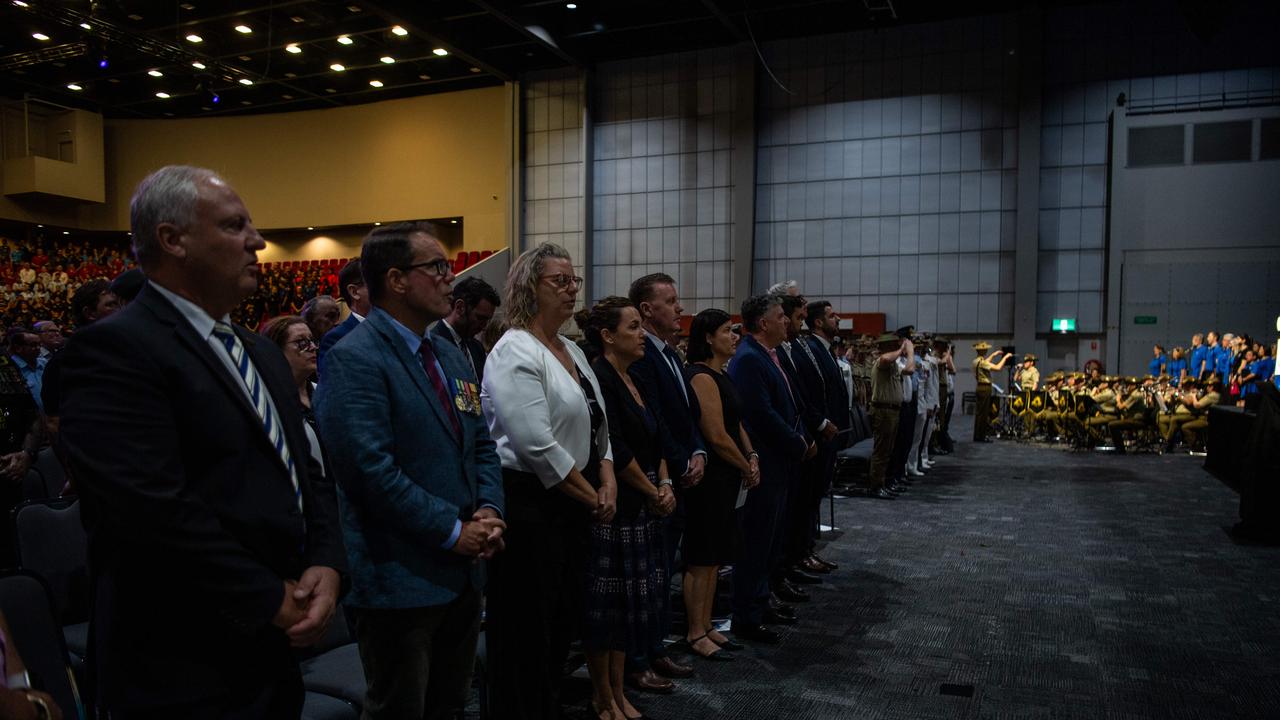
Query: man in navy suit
(213, 545)
(474, 302)
(419, 481)
(354, 293)
(772, 417)
(660, 376)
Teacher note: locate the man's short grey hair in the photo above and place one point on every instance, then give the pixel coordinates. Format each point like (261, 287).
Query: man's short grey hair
(168, 195)
(786, 287)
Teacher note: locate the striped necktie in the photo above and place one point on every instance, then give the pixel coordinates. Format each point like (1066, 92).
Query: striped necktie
(258, 394)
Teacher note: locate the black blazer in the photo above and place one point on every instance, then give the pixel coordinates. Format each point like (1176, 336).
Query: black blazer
(192, 521)
(681, 437)
(822, 385)
(470, 347)
(629, 438)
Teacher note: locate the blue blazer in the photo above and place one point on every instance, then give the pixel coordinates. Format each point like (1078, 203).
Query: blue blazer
(404, 478)
(332, 337)
(681, 437)
(771, 418)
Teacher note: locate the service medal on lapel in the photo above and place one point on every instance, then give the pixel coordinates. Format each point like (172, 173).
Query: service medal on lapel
(467, 397)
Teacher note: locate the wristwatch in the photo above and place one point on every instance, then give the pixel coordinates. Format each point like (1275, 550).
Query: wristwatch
(665, 481)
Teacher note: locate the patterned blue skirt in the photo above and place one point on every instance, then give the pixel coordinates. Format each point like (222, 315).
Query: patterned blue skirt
(626, 577)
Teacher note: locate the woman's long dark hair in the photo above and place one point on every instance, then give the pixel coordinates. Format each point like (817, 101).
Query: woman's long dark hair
(704, 323)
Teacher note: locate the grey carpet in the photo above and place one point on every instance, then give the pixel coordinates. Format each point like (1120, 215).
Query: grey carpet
(1023, 581)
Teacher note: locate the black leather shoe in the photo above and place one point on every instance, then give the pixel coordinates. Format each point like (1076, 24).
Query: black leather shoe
(757, 633)
(830, 566)
(791, 594)
(772, 618)
(801, 577)
(776, 604)
(795, 588)
(881, 494)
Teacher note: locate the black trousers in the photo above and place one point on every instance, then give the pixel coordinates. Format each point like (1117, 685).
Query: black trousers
(803, 507)
(536, 598)
(762, 519)
(275, 698)
(982, 412)
(906, 435)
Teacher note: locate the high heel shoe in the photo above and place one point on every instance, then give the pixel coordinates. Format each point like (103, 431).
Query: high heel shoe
(727, 644)
(717, 655)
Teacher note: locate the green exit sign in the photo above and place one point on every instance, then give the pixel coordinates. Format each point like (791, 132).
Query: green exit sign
(1144, 319)
(1064, 325)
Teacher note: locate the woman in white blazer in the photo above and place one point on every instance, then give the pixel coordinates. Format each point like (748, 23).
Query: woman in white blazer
(543, 406)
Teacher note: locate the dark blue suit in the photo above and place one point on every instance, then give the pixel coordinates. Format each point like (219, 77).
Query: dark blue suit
(772, 419)
(332, 337)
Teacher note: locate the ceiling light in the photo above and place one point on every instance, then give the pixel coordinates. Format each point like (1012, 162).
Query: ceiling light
(297, 18)
(424, 77)
(292, 48)
(66, 232)
(377, 223)
(73, 86)
(19, 3)
(337, 67)
(310, 227)
(453, 222)
(475, 69)
(291, 75)
(387, 59)
(198, 65)
(86, 26)
(571, 6)
(441, 52)
(345, 40)
(134, 17)
(244, 29)
(330, 90)
(375, 83)
(40, 36)
(245, 102)
(194, 38)
(287, 97)
(187, 6)
(245, 58)
(354, 8)
(155, 73)
(246, 81)
(397, 30)
(162, 95)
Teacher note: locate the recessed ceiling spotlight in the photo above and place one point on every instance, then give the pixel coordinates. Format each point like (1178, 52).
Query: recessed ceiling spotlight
(297, 19)
(424, 77)
(134, 17)
(245, 58)
(162, 95)
(113, 81)
(345, 40)
(375, 83)
(354, 8)
(205, 107)
(388, 59)
(155, 73)
(245, 102)
(330, 90)
(475, 69)
(198, 65)
(187, 6)
(86, 26)
(440, 52)
(571, 6)
(40, 36)
(19, 3)
(453, 222)
(311, 227)
(74, 86)
(66, 232)
(194, 38)
(246, 81)
(397, 30)
(292, 48)
(244, 29)
(337, 67)
(287, 97)
(168, 114)
(377, 223)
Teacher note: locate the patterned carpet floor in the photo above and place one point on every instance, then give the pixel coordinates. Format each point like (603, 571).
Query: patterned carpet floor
(1022, 581)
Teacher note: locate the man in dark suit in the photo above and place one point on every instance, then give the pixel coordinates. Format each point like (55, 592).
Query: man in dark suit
(659, 375)
(212, 545)
(419, 478)
(354, 293)
(474, 303)
(772, 417)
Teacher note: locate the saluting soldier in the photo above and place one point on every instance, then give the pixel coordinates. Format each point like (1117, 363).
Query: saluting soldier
(983, 366)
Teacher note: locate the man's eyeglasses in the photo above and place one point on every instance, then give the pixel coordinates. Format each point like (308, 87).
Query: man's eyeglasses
(303, 344)
(439, 267)
(562, 281)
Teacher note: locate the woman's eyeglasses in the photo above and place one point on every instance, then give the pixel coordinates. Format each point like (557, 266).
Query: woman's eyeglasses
(303, 344)
(562, 281)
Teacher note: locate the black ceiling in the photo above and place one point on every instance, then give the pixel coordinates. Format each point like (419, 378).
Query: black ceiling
(487, 42)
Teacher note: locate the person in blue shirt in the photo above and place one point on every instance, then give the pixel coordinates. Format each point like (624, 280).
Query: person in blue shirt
(1257, 372)
(1156, 366)
(1177, 366)
(1199, 354)
(1223, 356)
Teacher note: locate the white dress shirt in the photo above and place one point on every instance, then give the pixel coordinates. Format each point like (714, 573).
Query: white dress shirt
(536, 411)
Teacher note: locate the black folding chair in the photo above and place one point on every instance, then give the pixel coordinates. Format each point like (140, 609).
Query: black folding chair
(52, 544)
(28, 608)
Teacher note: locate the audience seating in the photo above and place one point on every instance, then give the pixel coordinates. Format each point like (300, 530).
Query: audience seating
(50, 469)
(27, 606)
(334, 667)
(52, 544)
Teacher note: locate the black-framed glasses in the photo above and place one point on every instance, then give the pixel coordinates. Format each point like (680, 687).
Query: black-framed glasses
(303, 344)
(439, 267)
(562, 281)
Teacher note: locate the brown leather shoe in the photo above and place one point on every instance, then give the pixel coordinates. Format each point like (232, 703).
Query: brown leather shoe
(667, 667)
(649, 681)
(811, 564)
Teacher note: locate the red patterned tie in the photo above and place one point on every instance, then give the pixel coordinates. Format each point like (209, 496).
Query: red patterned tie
(428, 357)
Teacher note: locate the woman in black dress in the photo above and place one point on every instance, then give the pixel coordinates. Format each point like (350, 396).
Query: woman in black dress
(711, 535)
(627, 574)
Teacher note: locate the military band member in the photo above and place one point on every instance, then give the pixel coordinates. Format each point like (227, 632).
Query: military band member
(1212, 396)
(1130, 408)
(1105, 396)
(1028, 376)
(1193, 408)
(982, 369)
(1177, 410)
(1047, 417)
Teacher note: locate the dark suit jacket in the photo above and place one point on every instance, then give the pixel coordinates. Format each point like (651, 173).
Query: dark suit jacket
(771, 418)
(629, 437)
(192, 521)
(404, 477)
(681, 437)
(824, 388)
(470, 346)
(331, 338)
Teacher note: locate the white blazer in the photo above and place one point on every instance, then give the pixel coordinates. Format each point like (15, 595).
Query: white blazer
(537, 412)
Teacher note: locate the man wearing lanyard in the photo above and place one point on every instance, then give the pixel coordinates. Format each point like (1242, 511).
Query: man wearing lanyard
(474, 302)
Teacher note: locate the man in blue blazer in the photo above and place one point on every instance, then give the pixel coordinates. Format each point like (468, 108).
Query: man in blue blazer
(419, 481)
(659, 375)
(772, 418)
(354, 293)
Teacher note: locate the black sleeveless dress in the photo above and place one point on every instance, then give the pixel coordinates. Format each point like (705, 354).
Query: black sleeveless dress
(711, 534)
